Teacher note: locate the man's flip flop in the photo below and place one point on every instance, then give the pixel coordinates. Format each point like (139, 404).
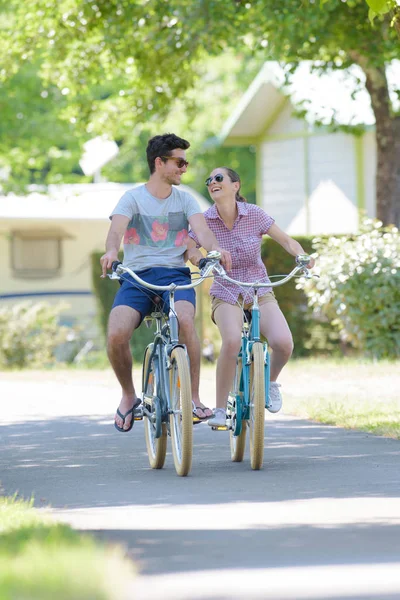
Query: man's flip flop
(123, 417)
(196, 417)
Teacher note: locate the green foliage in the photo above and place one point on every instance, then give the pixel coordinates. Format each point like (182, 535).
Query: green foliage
(42, 560)
(38, 143)
(105, 291)
(144, 57)
(359, 288)
(377, 8)
(29, 335)
(197, 119)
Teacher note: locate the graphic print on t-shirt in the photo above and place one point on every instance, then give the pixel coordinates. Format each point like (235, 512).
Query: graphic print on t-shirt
(161, 231)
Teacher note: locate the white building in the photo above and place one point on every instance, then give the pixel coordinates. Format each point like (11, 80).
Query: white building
(310, 179)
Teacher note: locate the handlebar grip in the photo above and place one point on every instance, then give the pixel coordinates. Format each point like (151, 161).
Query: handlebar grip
(202, 263)
(302, 259)
(115, 264)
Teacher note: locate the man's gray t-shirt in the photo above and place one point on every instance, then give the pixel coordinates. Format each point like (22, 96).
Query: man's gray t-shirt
(157, 229)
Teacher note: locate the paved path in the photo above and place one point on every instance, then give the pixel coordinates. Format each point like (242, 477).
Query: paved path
(321, 520)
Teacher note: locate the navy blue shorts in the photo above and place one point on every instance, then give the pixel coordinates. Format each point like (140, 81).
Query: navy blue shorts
(132, 294)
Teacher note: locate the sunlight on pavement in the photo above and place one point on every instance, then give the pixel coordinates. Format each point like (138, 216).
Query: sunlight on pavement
(292, 583)
(319, 512)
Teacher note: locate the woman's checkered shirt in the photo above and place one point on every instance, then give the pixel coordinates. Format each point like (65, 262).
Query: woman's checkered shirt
(243, 241)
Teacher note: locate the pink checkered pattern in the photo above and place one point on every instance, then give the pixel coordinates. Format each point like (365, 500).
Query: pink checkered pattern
(244, 243)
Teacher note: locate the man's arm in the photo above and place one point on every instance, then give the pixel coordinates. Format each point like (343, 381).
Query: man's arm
(117, 229)
(288, 243)
(208, 240)
(192, 252)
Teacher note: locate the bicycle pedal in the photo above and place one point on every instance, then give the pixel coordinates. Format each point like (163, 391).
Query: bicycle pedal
(138, 413)
(220, 428)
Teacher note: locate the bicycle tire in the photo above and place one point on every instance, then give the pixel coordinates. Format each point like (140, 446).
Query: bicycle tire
(238, 442)
(181, 419)
(156, 447)
(257, 406)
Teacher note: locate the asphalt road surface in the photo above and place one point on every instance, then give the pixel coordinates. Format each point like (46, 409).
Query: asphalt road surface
(320, 521)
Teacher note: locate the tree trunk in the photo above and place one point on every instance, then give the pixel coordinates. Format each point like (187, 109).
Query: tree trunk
(387, 133)
(396, 207)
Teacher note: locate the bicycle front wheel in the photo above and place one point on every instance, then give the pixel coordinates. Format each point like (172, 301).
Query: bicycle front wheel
(155, 431)
(257, 406)
(237, 442)
(181, 420)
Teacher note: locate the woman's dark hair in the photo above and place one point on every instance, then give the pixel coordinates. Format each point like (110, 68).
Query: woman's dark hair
(233, 176)
(163, 145)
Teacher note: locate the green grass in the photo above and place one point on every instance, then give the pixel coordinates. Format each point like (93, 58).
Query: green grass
(350, 393)
(43, 560)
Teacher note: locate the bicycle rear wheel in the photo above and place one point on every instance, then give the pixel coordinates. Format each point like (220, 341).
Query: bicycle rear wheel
(156, 446)
(257, 406)
(181, 421)
(237, 442)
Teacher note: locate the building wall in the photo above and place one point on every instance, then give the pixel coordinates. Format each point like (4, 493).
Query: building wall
(282, 179)
(285, 123)
(75, 275)
(332, 158)
(314, 182)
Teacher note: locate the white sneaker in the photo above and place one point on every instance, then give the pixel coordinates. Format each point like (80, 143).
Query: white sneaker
(218, 419)
(275, 398)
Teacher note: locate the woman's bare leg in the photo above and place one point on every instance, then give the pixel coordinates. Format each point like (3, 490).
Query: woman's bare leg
(274, 327)
(228, 318)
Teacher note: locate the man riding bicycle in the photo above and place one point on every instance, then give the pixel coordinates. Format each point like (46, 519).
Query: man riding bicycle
(154, 219)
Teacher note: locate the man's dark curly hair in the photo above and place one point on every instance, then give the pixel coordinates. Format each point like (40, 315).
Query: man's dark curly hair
(163, 145)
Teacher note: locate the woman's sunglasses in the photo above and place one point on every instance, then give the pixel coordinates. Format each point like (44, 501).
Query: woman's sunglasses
(180, 162)
(218, 178)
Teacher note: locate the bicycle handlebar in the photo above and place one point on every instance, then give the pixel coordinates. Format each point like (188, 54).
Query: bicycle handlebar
(118, 268)
(211, 263)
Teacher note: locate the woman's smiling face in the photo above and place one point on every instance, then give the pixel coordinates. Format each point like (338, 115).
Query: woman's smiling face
(219, 184)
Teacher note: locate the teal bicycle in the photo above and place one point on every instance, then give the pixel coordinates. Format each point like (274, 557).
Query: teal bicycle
(250, 391)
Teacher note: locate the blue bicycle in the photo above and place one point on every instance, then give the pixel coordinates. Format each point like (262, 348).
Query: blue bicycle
(166, 384)
(250, 391)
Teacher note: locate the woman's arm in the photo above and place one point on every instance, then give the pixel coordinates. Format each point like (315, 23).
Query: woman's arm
(288, 243)
(208, 240)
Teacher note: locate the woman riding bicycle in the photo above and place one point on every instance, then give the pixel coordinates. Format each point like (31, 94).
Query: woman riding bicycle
(239, 228)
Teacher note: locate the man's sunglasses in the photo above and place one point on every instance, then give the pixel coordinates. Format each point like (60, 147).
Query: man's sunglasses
(218, 178)
(180, 162)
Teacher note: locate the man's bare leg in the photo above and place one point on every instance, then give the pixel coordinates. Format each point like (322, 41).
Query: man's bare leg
(188, 336)
(121, 325)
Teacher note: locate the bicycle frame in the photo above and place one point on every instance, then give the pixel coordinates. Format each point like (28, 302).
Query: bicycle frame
(249, 336)
(165, 340)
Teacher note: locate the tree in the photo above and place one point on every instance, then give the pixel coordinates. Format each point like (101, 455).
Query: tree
(154, 49)
(37, 145)
(383, 7)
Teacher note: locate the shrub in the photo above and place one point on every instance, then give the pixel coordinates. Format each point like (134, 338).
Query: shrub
(29, 335)
(311, 335)
(359, 288)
